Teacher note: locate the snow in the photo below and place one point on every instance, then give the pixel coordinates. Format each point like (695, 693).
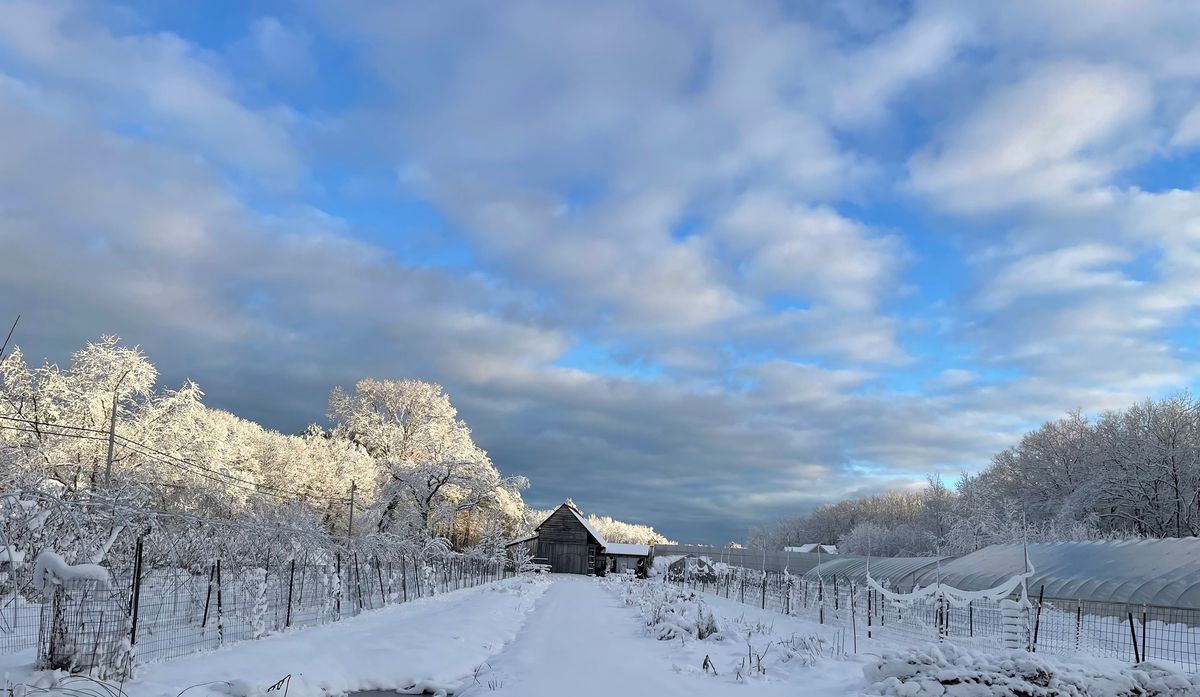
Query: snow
(627, 549)
(937, 670)
(583, 640)
(51, 569)
(535, 636)
(429, 644)
(13, 556)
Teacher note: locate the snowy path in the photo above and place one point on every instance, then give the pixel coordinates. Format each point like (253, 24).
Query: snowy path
(424, 644)
(582, 640)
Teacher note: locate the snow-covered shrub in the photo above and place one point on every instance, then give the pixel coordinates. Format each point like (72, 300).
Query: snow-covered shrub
(956, 672)
(671, 613)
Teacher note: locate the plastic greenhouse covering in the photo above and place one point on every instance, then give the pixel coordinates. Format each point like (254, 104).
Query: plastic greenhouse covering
(1150, 572)
(898, 573)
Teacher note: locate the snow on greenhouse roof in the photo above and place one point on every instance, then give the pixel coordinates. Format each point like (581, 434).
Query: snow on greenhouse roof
(627, 550)
(1153, 572)
(898, 572)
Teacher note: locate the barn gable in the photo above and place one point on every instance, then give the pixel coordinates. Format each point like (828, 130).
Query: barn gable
(567, 543)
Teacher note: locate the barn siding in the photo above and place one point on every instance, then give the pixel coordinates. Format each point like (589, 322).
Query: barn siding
(567, 544)
(563, 526)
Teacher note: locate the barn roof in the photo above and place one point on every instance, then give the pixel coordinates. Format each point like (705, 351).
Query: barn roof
(627, 550)
(594, 532)
(519, 540)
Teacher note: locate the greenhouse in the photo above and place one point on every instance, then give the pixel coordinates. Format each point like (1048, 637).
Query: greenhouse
(1151, 572)
(900, 573)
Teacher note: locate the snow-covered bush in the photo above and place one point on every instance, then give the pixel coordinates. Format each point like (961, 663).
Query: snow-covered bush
(672, 614)
(956, 672)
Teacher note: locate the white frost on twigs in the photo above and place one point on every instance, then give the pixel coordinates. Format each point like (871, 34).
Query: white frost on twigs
(51, 569)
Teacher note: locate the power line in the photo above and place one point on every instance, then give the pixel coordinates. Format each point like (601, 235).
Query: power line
(10, 333)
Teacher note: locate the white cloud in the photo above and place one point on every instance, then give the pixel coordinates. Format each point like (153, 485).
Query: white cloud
(1054, 139)
(154, 81)
(811, 251)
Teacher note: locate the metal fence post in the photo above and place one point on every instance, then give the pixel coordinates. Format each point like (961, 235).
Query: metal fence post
(220, 609)
(291, 585)
(212, 575)
(137, 596)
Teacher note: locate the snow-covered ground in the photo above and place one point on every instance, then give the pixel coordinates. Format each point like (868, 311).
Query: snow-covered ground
(585, 640)
(571, 635)
(423, 645)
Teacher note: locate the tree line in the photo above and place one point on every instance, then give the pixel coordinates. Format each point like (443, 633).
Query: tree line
(394, 452)
(1132, 472)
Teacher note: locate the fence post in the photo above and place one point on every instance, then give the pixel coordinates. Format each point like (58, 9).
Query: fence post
(357, 582)
(291, 584)
(764, 591)
(1037, 619)
(137, 597)
(970, 618)
(220, 609)
(379, 572)
(337, 598)
(1137, 657)
(1079, 623)
(853, 619)
(1145, 641)
(212, 574)
(870, 611)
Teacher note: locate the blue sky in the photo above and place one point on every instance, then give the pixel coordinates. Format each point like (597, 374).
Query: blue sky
(693, 264)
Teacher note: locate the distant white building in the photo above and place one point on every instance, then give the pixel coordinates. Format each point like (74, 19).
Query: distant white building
(813, 547)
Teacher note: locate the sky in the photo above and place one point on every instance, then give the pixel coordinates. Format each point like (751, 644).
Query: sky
(694, 264)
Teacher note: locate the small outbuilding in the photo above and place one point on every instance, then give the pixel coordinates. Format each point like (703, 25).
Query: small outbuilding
(812, 548)
(626, 558)
(567, 544)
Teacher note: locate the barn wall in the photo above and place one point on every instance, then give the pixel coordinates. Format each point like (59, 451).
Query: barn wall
(562, 526)
(566, 545)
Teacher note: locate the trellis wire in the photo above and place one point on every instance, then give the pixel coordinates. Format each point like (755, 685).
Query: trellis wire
(1063, 626)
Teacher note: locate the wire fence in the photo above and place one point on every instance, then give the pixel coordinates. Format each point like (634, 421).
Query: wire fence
(1047, 625)
(171, 584)
(150, 614)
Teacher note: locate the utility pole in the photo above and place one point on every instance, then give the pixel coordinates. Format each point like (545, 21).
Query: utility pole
(350, 524)
(112, 432)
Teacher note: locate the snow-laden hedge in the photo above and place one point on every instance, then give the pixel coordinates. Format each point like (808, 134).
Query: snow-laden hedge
(956, 672)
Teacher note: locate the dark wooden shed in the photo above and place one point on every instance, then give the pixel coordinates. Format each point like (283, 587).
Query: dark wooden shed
(568, 544)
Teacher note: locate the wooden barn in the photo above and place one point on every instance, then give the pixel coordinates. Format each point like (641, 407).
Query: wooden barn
(567, 544)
